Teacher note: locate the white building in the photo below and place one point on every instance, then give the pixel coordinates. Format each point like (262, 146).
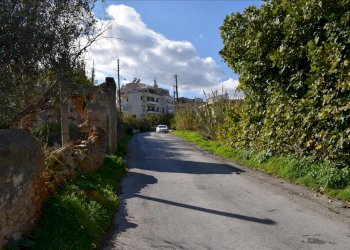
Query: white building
(217, 97)
(140, 99)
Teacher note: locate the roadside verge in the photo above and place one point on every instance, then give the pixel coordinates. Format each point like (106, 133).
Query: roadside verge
(320, 177)
(79, 214)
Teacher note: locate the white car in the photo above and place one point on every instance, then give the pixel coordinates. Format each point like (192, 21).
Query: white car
(162, 128)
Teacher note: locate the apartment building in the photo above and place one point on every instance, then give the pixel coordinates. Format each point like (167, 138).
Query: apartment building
(140, 99)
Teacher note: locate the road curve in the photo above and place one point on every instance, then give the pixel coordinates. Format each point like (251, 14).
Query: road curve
(177, 196)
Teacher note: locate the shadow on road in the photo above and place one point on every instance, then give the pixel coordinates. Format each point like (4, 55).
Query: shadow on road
(187, 167)
(164, 155)
(211, 211)
(169, 157)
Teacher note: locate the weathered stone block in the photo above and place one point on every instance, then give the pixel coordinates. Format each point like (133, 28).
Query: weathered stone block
(21, 166)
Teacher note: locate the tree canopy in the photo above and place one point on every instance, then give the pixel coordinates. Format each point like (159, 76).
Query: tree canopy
(39, 41)
(293, 61)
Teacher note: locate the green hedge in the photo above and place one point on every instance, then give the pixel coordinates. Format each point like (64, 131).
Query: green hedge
(293, 61)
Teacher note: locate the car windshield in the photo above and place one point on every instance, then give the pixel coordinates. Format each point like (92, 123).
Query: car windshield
(162, 126)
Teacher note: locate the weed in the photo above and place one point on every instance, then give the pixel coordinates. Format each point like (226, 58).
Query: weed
(264, 156)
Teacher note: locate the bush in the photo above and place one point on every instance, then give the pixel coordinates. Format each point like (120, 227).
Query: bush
(293, 62)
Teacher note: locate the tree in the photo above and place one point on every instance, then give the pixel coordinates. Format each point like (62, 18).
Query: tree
(293, 60)
(40, 52)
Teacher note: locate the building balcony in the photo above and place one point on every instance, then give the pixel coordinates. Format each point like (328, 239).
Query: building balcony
(152, 102)
(152, 112)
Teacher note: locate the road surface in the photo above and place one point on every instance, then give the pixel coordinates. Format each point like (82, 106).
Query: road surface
(177, 196)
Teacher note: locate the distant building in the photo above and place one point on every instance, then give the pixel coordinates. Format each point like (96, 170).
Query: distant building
(217, 97)
(140, 99)
(226, 98)
(184, 100)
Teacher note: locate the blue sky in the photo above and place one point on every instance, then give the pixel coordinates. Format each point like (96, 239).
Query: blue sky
(171, 37)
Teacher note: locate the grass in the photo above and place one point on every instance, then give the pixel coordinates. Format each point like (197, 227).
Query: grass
(80, 213)
(301, 170)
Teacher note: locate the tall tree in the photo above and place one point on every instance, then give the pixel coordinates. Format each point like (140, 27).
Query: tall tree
(40, 52)
(293, 60)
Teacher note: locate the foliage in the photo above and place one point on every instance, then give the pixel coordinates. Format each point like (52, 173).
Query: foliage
(208, 119)
(320, 175)
(39, 46)
(185, 118)
(79, 214)
(46, 132)
(293, 61)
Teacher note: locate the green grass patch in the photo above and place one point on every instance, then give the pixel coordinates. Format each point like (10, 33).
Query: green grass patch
(80, 213)
(344, 194)
(301, 170)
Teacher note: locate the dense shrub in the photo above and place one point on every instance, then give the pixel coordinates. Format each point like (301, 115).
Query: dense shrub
(208, 119)
(293, 61)
(185, 117)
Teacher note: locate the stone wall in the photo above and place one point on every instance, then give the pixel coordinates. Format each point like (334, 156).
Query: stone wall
(67, 162)
(22, 187)
(88, 107)
(100, 110)
(25, 183)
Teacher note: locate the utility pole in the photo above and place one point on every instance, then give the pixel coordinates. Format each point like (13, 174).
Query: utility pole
(93, 73)
(119, 99)
(177, 93)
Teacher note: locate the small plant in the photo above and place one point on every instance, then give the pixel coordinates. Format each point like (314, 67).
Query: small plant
(46, 132)
(264, 156)
(247, 154)
(330, 177)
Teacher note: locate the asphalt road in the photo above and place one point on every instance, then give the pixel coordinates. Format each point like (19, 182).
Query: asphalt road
(177, 196)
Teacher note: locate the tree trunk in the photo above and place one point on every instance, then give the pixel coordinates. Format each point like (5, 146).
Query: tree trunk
(64, 114)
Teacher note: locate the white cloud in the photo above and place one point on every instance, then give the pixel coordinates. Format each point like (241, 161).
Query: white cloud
(229, 86)
(146, 54)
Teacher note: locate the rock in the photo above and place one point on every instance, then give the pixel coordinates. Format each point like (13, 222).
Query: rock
(21, 167)
(17, 180)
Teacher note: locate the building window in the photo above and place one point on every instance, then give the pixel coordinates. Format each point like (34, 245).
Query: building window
(150, 108)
